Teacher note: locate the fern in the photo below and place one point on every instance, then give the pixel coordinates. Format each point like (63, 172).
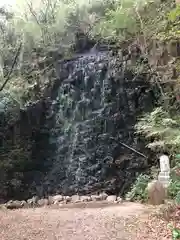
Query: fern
(161, 129)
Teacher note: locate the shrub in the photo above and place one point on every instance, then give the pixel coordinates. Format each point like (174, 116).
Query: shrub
(138, 191)
(174, 186)
(161, 129)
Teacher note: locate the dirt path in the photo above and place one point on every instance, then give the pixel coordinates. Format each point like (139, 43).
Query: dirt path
(92, 222)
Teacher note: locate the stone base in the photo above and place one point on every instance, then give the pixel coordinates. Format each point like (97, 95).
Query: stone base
(164, 178)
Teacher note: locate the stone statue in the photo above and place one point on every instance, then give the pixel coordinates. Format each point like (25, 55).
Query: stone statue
(164, 175)
(164, 163)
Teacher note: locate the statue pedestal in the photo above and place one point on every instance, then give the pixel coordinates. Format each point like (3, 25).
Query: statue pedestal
(164, 178)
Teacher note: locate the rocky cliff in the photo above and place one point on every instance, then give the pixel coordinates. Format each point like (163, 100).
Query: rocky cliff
(70, 141)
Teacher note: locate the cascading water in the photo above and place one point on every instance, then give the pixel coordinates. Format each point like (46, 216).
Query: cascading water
(95, 109)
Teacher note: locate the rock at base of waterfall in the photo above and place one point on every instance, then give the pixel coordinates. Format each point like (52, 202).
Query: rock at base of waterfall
(43, 202)
(111, 198)
(57, 199)
(33, 201)
(119, 200)
(14, 204)
(24, 203)
(75, 198)
(68, 199)
(156, 192)
(103, 196)
(85, 198)
(50, 199)
(96, 197)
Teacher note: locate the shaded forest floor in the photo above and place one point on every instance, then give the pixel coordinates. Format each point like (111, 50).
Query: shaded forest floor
(88, 222)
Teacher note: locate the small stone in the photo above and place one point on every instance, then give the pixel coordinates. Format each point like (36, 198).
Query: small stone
(57, 198)
(75, 198)
(128, 199)
(43, 202)
(29, 201)
(35, 199)
(111, 198)
(68, 199)
(24, 203)
(62, 203)
(119, 200)
(96, 197)
(56, 202)
(3, 207)
(32, 201)
(14, 204)
(85, 198)
(50, 199)
(103, 196)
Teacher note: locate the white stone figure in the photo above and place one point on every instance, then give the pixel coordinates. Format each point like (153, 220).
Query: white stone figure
(164, 175)
(164, 163)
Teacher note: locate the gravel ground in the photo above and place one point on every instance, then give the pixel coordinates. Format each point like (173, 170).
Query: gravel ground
(86, 222)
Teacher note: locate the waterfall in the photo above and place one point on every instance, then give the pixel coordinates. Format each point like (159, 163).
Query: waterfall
(94, 111)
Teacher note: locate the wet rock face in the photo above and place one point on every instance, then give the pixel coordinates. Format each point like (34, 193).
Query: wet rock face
(69, 142)
(23, 139)
(94, 109)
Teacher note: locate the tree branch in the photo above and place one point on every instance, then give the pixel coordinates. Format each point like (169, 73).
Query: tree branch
(12, 67)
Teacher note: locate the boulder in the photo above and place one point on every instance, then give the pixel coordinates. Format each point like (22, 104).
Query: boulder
(96, 197)
(32, 201)
(24, 203)
(56, 202)
(156, 193)
(57, 199)
(111, 198)
(50, 199)
(3, 207)
(103, 196)
(68, 199)
(85, 198)
(14, 204)
(43, 202)
(119, 200)
(75, 198)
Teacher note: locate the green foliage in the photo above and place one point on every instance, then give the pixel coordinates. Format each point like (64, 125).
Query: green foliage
(173, 189)
(117, 22)
(53, 24)
(177, 199)
(132, 19)
(172, 26)
(44, 25)
(174, 186)
(174, 14)
(138, 191)
(175, 232)
(161, 129)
